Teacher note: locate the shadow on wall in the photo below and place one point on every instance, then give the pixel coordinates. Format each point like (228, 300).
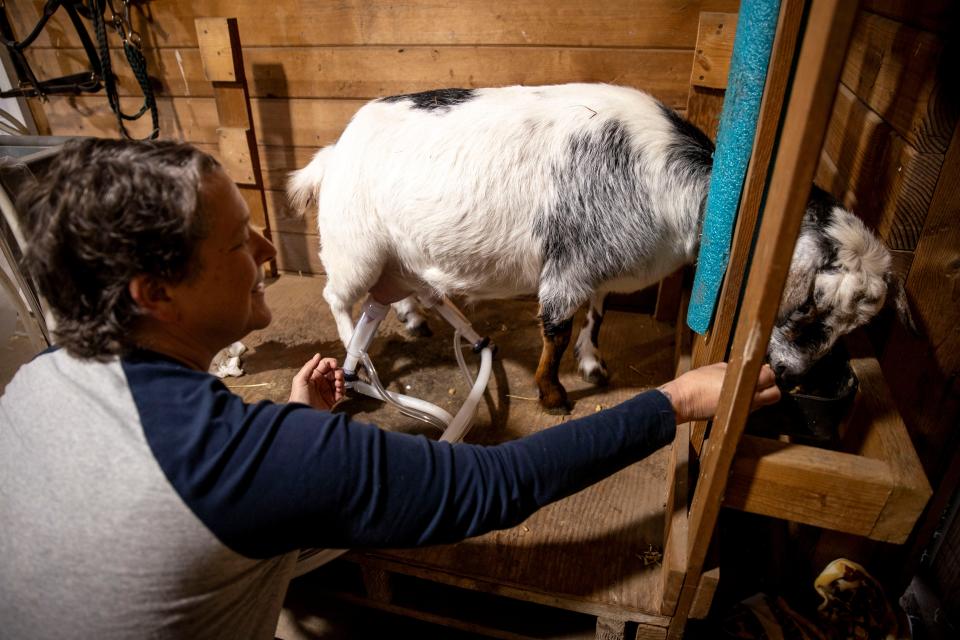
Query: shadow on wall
(888, 177)
(278, 157)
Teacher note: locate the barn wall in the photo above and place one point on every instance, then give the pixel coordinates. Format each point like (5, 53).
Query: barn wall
(890, 155)
(310, 65)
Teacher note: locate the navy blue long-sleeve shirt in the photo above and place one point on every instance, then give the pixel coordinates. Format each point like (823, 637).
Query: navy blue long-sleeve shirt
(163, 493)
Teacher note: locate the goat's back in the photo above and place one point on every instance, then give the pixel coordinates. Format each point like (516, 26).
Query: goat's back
(473, 190)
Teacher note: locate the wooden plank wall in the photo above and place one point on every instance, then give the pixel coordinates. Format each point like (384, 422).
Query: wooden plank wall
(310, 65)
(892, 154)
(893, 121)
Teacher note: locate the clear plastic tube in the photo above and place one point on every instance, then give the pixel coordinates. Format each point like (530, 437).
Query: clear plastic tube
(449, 312)
(408, 405)
(463, 421)
(458, 352)
(370, 317)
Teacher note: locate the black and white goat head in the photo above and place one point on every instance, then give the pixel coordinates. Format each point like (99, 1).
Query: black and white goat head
(840, 277)
(567, 191)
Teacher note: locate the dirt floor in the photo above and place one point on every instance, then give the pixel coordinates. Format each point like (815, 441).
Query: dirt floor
(638, 352)
(637, 349)
(639, 355)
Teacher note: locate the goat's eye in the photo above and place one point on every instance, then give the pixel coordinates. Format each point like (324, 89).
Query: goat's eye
(804, 311)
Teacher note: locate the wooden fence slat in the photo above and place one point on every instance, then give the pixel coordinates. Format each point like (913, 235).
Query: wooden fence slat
(217, 50)
(828, 28)
(187, 119)
(932, 15)
(371, 72)
(318, 122)
(620, 23)
(712, 347)
(900, 72)
(711, 61)
(874, 172)
(922, 370)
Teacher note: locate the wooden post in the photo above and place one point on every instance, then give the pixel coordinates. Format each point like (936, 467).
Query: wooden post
(675, 522)
(712, 347)
(708, 79)
(377, 584)
(611, 628)
(219, 42)
(829, 24)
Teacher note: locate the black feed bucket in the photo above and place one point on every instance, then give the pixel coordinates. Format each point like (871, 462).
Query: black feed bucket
(811, 409)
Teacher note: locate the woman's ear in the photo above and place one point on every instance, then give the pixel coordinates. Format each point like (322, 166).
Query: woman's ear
(151, 295)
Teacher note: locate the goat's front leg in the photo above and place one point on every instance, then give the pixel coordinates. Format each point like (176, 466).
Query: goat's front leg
(587, 349)
(556, 337)
(409, 314)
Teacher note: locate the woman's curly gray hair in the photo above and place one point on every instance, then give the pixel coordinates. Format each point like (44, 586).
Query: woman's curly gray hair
(104, 212)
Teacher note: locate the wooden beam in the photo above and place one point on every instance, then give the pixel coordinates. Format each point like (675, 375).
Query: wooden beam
(219, 41)
(217, 46)
(875, 487)
(828, 27)
(233, 105)
(652, 24)
(711, 60)
(703, 598)
(882, 435)
(820, 487)
(235, 145)
(712, 347)
(924, 371)
(675, 522)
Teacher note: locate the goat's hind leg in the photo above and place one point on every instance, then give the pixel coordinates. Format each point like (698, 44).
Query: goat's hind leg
(556, 337)
(346, 285)
(408, 312)
(592, 367)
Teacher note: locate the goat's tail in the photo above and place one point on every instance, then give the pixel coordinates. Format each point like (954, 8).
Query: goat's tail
(303, 185)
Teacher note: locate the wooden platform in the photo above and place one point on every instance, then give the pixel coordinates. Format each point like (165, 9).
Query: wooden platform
(595, 552)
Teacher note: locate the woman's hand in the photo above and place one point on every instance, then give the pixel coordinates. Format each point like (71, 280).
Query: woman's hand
(695, 394)
(319, 383)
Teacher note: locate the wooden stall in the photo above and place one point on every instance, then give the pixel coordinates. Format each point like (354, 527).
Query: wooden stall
(877, 126)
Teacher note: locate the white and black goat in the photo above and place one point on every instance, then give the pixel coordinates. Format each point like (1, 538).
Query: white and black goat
(567, 191)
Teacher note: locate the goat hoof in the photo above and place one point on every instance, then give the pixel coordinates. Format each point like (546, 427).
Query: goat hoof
(562, 410)
(598, 377)
(555, 404)
(421, 330)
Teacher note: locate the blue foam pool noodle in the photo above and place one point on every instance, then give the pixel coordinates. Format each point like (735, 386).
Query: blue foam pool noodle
(756, 27)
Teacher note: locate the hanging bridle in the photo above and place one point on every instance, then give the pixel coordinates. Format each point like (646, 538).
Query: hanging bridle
(101, 70)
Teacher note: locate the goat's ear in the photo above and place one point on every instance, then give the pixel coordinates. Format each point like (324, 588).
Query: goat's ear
(897, 295)
(807, 259)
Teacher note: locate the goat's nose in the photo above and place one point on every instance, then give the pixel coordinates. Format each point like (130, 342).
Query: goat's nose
(778, 369)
